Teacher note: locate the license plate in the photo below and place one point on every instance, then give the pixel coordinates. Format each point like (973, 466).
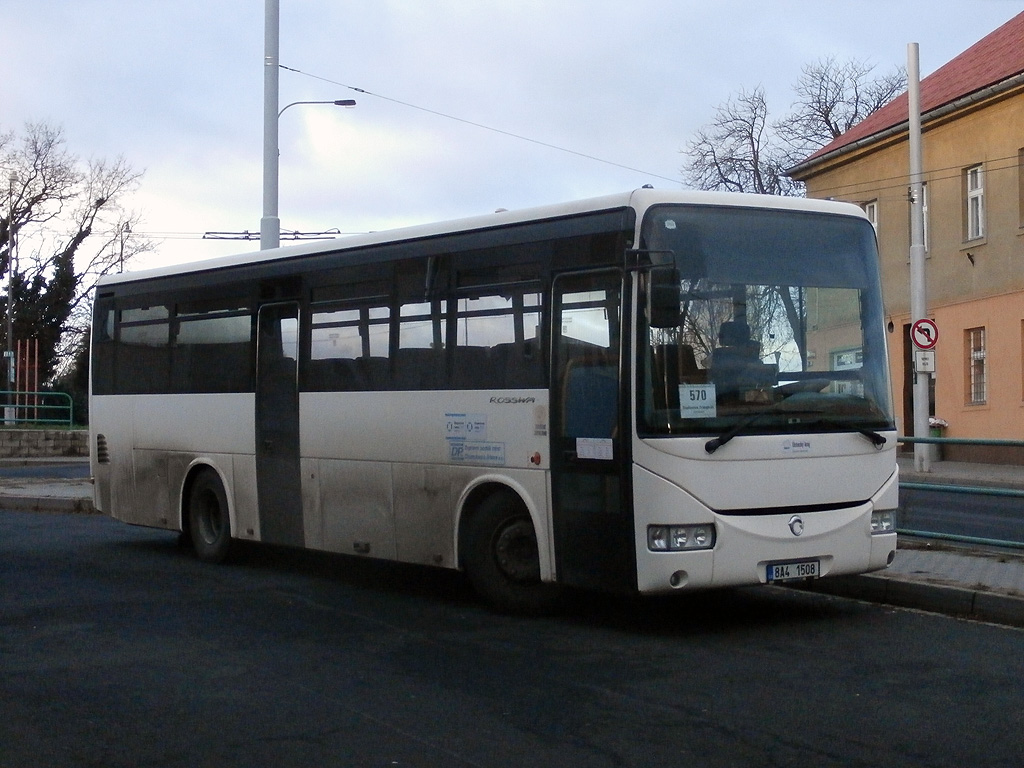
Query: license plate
(805, 569)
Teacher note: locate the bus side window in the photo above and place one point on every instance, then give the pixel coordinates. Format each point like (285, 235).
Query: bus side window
(349, 348)
(496, 341)
(143, 363)
(211, 351)
(103, 348)
(420, 359)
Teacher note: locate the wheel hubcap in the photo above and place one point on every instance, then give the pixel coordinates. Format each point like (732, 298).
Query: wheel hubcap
(515, 550)
(210, 521)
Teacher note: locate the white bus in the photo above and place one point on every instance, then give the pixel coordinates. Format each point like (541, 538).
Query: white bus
(649, 392)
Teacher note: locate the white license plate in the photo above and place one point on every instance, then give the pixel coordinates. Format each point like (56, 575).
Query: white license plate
(805, 569)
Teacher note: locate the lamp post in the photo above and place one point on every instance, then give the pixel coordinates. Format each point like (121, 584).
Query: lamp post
(270, 224)
(124, 230)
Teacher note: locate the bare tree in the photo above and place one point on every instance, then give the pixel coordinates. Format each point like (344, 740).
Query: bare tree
(70, 226)
(743, 150)
(831, 98)
(738, 152)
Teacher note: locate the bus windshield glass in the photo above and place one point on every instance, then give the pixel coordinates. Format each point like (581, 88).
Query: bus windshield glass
(779, 330)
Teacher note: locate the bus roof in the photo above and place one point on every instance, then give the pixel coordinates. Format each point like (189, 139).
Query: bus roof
(640, 200)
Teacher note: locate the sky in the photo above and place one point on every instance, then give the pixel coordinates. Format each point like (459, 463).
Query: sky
(465, 107)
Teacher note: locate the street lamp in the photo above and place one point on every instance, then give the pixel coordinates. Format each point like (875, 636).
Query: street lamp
(336, 102)
(124, 230)
(270, 224)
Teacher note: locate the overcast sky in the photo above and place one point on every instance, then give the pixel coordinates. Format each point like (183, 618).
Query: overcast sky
(177, 89)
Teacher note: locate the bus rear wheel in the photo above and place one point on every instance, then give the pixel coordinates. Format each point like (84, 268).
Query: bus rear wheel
(502, 559)
(209, 523)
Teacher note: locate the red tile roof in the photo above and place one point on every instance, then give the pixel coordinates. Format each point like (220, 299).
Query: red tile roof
(991, 60)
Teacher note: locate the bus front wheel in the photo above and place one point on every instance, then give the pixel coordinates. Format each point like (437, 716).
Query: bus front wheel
(209, 523)
(502, 560)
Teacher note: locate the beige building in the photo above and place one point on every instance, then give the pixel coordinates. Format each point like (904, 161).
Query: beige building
(973, 146)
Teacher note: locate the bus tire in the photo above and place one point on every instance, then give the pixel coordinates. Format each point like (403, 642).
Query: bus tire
(209, 522)
(502, 560)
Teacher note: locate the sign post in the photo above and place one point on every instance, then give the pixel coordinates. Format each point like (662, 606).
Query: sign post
(923, 330)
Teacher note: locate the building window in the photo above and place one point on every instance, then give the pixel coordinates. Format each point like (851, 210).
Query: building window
(871, 209)
(977, 382)
(974, 179)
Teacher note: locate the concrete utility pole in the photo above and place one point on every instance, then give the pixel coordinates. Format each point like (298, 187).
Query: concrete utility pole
(270, 224)
(918, 292)
(9, 410)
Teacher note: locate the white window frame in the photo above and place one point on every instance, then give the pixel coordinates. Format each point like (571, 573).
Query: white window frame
(871, 211)
(975, 186)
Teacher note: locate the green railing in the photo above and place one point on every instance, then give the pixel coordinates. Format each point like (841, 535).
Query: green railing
(18, 408)
(963, 441)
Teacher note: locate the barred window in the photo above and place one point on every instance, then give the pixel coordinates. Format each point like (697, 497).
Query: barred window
(977, 393)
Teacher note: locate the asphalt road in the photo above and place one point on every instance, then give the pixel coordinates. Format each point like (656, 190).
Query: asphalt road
(117, 648)
(999, 518)
(77, 470)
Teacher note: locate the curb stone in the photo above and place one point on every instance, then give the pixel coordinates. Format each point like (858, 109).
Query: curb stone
(960, 602)
(58, 505)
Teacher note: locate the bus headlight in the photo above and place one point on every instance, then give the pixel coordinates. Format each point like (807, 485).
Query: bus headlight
(883, 522)
(677, 538)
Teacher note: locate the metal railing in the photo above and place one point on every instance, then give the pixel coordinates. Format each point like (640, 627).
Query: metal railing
(18, 407)
(983, 490)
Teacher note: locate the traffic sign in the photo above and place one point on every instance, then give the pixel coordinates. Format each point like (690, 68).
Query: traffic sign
(924, 333)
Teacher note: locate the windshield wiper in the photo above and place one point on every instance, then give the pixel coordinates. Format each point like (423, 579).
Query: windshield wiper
(714, 444)
(876, 439)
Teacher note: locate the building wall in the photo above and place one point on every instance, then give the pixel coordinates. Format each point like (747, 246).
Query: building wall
(970, 284)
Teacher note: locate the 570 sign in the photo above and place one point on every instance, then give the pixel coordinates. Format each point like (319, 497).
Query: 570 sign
(697, 401)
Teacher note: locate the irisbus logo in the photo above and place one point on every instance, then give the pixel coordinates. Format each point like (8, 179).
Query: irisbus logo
(512, 400)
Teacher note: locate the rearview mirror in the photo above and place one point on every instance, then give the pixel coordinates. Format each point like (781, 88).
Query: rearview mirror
(663, 307)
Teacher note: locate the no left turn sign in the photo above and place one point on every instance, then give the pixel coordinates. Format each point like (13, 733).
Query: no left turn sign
(924, 333)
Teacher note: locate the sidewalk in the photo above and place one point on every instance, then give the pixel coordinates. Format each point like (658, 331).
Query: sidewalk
(981, 583)
(38, 491)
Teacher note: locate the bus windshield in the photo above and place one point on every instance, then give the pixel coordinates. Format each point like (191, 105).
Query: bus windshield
(780, 326)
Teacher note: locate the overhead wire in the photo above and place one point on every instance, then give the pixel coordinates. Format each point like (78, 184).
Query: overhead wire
(482, 126)
(894, 183)
(889, 184)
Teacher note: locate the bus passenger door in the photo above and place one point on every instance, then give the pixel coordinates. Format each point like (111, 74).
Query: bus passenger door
(278, 478)
(592, 518)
